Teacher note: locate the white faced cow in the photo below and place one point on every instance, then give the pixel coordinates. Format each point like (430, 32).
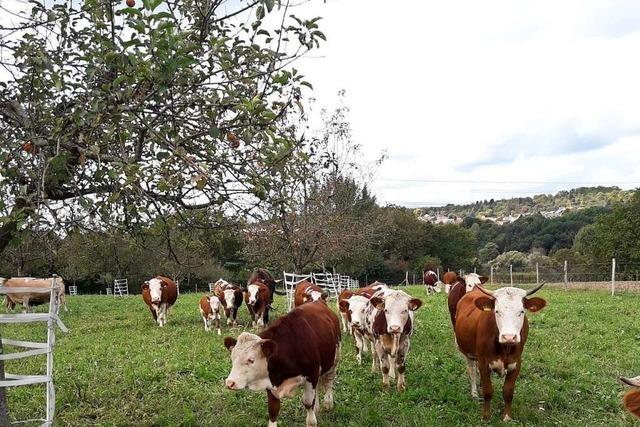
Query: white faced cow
(356, 309)
(159, 294)
(390, 324)
(210, 307)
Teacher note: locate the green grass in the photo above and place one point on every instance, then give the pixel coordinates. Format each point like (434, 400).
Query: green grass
(116, 367)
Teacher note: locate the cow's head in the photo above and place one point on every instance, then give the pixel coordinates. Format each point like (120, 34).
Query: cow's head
(356, 306)
(473, 279)
(396, 306)
(215, 304)
(229, 298)
(252, 291)
(249, 354)
(155, 287)
(509, 305)
(312, 294)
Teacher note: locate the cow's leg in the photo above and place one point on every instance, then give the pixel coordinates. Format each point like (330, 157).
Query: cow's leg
(507, 391)
(471, 370)
(206, 323)
(234, 315)
(260, 322)
(374, 357)
(487, 387)
(154, 314)
(359, 342)
(274, 409)
(218, 325)
(25, 304)
(309, 402)
(401, 359)
(383, 359)
(265, 316)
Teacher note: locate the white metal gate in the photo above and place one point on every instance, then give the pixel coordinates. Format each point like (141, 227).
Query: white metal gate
(34, 348)
(120, 287)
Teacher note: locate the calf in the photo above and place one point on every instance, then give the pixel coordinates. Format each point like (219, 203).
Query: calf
(430, 278)
(209, 307)
(390, 325)
(159, 294)
(231, 298)
(307, 291)
(258, 298)
(300, 348)
(631, 398)
(449, 279)
(491, 331)
(355, 308)
(460, 288)
(366, 291)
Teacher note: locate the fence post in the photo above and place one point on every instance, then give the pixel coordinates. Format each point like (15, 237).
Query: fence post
(51, 336)
(566, 275)
(460, 272)
(613, 276)
(438, 272)
(491, 276)
(537, 274)
(414, 278)
(511, 273)
(474, 270)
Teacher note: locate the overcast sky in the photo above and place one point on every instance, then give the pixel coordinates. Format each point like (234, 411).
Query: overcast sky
(542, 94)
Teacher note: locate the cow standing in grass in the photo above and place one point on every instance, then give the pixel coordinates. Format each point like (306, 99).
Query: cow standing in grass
(430, 278)
(209, 307)
(449, 279)
(491, 331)
(160, 293)
(366, 291)
(462, 285)
(31, 299)
(257, 298)
(231, 298)
(308, 292)
(301, 348)
(260, 275)
(356, 309)
(390, 324)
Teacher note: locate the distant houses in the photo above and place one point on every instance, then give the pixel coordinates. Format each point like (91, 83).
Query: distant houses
(439, 218)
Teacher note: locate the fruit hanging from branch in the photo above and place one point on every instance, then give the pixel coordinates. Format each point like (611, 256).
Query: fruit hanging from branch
(131, 3)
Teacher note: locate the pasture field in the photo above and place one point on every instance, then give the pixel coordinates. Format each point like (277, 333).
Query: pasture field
(116, 367)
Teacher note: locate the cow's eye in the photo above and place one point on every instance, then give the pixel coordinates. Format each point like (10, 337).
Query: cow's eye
(386, 311)
(350, 311)
(250, 361)
(497, 312)
(522, 312)
(405, 311)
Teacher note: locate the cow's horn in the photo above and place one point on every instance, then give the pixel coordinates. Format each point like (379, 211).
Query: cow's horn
(483, 290)
(536, 289)
(634, 382)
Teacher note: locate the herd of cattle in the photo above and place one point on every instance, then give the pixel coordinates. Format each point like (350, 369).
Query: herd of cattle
(302, 348)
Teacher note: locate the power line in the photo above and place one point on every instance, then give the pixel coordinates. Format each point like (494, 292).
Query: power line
(469, 181)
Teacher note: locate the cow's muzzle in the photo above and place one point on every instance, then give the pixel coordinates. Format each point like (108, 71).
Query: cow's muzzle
(395, 329)
(230, 384)
(510, 339)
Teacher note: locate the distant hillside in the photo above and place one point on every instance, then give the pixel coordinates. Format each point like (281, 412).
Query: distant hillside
(508, 210)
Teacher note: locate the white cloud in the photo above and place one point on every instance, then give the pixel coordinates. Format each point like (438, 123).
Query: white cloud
(486, 91)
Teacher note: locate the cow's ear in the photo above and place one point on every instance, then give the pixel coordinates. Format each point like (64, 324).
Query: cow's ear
(344, 305)
(485, 303)
(269, 347)
(414, 304)
(230, 342)
(145, 285)
(377, 302)
(534, 304)
(483, 280)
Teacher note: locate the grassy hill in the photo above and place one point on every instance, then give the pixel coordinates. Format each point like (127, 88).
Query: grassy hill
(577, 198)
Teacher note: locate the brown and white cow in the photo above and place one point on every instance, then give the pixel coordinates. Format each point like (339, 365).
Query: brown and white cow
(491, 331)
(261, 275)
(366, 291)
(449, 279)
(231, 298)
(209, 307)
(258, 298)
(308, 292)
(429, 279)
(299, 349)
(460, 288)
(31, 299)
(390, 321)
(355, 308)
(631, 399)
(160, 293)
